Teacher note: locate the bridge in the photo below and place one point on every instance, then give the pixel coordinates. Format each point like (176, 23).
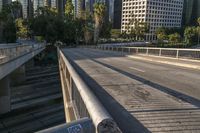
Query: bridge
(132, 89)
(106, 88)
(12, 60)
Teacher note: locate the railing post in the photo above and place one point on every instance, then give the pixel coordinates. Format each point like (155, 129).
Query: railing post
(160, 52)
(129, 50)
(177, 54)
(147, 52)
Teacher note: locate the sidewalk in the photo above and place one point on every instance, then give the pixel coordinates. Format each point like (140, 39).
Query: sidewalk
(187, 63)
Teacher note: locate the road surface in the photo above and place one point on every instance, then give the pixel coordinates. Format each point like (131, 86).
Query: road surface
(141, 96)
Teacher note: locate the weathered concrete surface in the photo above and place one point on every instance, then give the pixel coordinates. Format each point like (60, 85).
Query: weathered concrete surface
(141, 96)
(10, 66)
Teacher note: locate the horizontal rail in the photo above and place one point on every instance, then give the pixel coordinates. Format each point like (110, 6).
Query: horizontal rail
(12, 52)
(193, 54)
(84, 101)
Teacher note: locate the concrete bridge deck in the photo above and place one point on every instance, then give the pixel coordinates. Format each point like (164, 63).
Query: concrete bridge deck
(141, 96)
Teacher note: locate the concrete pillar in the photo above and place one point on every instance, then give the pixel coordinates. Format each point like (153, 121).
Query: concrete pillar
(5, 103)
(18, 76)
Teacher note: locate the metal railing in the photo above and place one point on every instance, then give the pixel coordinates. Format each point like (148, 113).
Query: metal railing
(84, 125)
(10, 53)
(193, 54)
(79, 100)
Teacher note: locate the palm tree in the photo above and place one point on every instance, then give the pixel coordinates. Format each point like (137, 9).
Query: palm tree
(99, 13)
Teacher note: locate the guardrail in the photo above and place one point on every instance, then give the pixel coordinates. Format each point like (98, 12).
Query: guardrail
(10, 53)
(79, 100)
(165, 52)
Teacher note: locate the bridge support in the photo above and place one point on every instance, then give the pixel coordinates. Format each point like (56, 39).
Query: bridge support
(5, 104)
(18, 76)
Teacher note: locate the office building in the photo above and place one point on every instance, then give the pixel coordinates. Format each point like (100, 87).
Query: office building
(191, 12)
(37, 4)
(25, 7)
(156, 13)
(117, 14)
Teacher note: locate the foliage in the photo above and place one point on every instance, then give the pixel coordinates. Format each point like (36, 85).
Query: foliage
(69, 9)
(52, 28)
(135, 29)
(22, 29)
(9, 32)
(189, 34)
(161, 34)
(7, 23)
(106, 32)
(175, 38)
(198, 20)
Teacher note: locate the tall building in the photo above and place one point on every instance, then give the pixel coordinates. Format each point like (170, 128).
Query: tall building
(191, 12)
(117, 15)
(47, 3)
(37, 4)
(54, 3)
(156, 13)
(30, 8)
(89, 5)
(75, 3)
(80, 7)
(25, 7)
(4, 2)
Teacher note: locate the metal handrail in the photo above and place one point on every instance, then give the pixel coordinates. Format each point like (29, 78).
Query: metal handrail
(100, 117)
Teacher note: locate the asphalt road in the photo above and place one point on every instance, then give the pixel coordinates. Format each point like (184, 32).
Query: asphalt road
(141, 96)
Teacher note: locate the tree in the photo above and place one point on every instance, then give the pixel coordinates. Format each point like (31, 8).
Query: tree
(161, 34)
(9, 31)
(189, 34)
(22, 29)
(69, 9)
(7, 24)
(99, 13)
(175, 38)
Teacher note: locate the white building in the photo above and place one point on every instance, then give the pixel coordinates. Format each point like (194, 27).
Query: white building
(24, 4)
(156, 13)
